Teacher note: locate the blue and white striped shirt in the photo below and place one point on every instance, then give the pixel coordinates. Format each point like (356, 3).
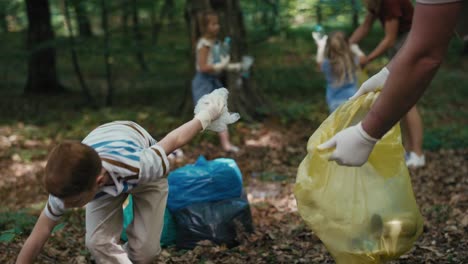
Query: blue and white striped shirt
(128, 153)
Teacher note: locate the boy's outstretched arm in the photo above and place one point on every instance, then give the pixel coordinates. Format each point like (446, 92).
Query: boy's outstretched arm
(36, 240)
(209, 108)
(180, 136)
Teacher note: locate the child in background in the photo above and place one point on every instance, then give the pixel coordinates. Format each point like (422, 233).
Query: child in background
(209, 64)
(339, 62)
(113, 161)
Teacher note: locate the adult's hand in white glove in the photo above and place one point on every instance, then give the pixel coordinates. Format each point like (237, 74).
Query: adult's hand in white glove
(212, 111)
(352, 146)
(218, 67)
(373, 83)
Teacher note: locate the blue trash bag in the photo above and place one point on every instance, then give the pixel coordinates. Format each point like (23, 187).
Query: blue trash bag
(204, 181)
(169, 232)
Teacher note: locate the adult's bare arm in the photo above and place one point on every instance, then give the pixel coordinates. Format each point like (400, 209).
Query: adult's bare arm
(362, 30)
(415, 65)
(391, 35)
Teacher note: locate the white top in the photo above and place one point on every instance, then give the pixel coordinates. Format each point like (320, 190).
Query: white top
(204, 42)
(128, 153)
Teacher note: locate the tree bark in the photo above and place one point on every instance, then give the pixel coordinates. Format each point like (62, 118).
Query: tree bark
(244, 97)
(105, 27)
(138, 37)
(318, 13)
(3, 17)
(87, 95)
(355, 18)
(167, 10)
(125, 15)
(84, 25)
(42, 73)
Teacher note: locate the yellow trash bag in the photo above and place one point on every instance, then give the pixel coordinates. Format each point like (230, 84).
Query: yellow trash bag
(362, 214)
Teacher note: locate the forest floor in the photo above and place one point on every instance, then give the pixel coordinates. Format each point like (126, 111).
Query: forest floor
(268, 159)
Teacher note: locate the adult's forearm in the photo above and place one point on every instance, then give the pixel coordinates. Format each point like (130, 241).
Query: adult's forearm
(383, 46)
(413, 68)
(358, 35)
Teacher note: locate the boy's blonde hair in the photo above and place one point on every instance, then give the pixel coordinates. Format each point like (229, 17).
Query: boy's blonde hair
(72, 168)
(341, 58)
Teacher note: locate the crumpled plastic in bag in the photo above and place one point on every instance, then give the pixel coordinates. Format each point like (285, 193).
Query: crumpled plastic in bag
(362, 214)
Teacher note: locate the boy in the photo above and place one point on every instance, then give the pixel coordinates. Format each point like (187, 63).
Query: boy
(114, 160)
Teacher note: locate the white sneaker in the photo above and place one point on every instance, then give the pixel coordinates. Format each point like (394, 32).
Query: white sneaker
(415, 161)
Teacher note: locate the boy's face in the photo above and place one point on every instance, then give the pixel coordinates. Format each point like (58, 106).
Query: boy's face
(81, 199)
(213, 26)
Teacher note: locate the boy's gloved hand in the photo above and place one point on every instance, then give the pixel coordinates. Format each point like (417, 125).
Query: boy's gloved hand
(373, 83)
(212, 111)
(352, 146)
(218, 67)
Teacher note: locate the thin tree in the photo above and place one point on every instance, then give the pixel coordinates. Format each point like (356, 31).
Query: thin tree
(84, 25)
(76, 66)
(125, 15)
(3, 16)
(355, 12)
(138, 37)
(105, 27)
(167, 10)
(42, 72)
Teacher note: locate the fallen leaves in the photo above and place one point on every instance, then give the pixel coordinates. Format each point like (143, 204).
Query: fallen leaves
(280, 235)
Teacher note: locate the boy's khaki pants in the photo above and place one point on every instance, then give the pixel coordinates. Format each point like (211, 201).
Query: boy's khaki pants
(104, 222)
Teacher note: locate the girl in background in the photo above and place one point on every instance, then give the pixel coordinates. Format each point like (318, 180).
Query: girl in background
(339, 62)
(209, 63)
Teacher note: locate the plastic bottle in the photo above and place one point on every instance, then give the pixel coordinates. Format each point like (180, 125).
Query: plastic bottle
(320, 30)
(216, 52)
(226, 47)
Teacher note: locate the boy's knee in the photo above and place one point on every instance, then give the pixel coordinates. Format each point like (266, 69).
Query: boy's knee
(96, 244)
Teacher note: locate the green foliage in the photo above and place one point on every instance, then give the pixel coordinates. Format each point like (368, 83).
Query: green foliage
(15, 223)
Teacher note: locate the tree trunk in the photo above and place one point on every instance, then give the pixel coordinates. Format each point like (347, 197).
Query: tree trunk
(3, 17)
(318, 13)
(167, 10)
(138, 37)
(355, 19)
(42, 73)
(105, 27)
(244, 97)
(84, 26)
(87, 95)
(125, 15)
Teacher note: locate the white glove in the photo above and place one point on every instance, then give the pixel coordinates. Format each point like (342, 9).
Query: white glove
(321, 44)
(234, 67)
(356, 50)
(218, 67)
(212, 111)
(352, 146)
(373, 83)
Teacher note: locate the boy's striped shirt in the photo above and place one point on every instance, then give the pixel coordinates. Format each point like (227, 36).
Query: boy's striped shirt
(128, 153)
